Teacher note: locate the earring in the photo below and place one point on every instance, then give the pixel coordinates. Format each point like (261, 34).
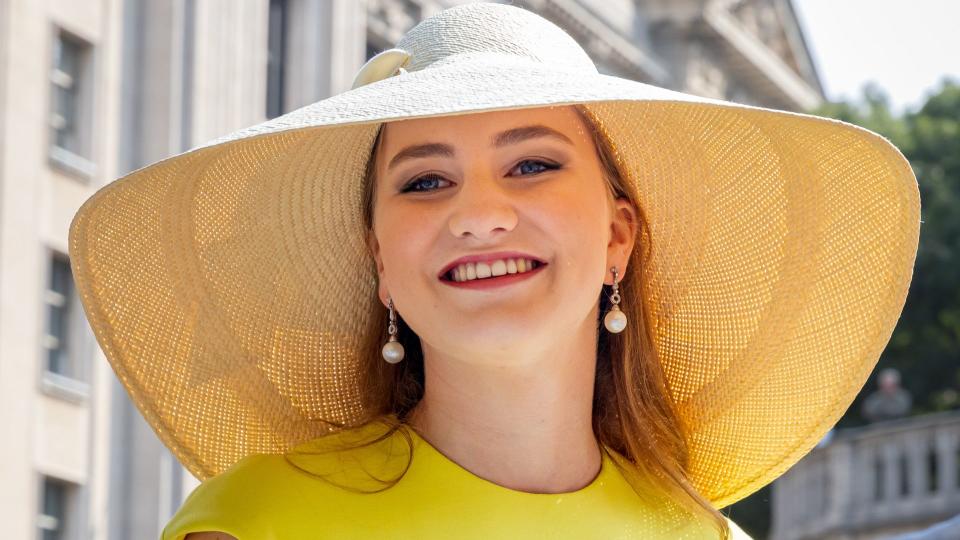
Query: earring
(392, 350)
(615, 320)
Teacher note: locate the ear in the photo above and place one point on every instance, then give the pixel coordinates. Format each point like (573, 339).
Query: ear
(623, 233)
(374, 245)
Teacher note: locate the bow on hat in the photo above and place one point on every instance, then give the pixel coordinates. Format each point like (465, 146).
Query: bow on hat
(382, 65)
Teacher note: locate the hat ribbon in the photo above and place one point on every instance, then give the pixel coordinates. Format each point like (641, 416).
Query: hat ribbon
(381, 66)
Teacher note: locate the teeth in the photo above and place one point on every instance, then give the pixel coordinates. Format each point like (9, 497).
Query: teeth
(482, 270)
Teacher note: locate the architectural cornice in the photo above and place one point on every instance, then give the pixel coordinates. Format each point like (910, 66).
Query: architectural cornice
(602, 42)
(756, 57)
(798, 43)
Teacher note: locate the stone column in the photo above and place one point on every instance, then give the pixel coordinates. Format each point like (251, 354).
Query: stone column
(325, 45)
(839, 484)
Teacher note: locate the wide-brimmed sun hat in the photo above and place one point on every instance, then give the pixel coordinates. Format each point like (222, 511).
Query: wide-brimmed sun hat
(229, 285)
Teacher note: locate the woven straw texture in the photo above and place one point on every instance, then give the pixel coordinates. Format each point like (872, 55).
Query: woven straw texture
(228, 285)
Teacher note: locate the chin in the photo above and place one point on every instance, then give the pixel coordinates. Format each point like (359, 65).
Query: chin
(499, 338)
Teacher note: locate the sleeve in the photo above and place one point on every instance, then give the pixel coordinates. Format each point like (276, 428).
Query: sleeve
(736, 533)
(231, 502)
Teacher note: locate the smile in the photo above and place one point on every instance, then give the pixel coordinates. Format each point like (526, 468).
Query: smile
(494, 281)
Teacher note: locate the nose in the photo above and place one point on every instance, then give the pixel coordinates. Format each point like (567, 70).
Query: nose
(483, 209)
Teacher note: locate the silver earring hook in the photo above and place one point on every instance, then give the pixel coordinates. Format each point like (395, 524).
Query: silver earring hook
(615, 297)
(392, 327)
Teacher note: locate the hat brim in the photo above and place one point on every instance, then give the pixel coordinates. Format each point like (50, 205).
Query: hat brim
(228, 285)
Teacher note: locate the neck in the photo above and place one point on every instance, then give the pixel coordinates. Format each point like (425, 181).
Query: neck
(522, 425)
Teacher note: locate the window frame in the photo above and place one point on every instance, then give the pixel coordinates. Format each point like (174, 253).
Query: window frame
(71, 507)
(77, 162)
(74, 385)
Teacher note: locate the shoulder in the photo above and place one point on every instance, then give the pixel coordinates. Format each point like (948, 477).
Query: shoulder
(271, 495)
(736, 533)
(235, 502)
(700, 527)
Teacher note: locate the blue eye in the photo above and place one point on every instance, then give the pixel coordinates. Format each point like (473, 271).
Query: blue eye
(547, 166)
(432, 179)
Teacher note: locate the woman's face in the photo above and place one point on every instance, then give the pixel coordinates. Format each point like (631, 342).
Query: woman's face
(526, 181)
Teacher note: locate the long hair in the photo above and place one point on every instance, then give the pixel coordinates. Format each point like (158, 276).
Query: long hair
(633, 413)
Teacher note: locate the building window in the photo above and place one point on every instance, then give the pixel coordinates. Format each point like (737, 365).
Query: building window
(54, 521)
(58, 297)
(72, 103)
(276, 57)
(63, 342)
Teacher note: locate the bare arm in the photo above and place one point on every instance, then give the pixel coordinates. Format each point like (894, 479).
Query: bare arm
(209, 535)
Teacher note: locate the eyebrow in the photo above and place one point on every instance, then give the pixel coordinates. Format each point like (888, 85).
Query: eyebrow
(505, 138)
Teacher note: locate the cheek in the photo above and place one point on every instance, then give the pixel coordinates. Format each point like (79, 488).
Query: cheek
(406, 235)
(578, 221)
(579, 216)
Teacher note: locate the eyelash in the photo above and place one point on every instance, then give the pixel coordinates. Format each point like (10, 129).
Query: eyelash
(407, 187)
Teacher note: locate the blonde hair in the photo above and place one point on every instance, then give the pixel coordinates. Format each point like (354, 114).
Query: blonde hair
(632, 410)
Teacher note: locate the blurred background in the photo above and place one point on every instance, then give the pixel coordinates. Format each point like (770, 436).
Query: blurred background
(93, 89)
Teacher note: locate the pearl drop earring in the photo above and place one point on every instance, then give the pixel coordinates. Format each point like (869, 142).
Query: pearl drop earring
(615, 320)
(392, 350)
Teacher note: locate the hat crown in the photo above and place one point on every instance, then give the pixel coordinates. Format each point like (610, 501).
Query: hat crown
(456, 34)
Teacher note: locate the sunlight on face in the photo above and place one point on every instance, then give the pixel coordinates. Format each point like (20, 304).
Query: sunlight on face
(463, 194)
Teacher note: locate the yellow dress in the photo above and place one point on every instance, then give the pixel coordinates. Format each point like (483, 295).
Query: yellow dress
(266, 497)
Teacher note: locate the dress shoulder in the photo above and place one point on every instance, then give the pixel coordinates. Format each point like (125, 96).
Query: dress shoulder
(279, 495)
(736, 533)
(237, 502)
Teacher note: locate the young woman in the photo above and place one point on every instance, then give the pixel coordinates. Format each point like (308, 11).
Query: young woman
(492, 293)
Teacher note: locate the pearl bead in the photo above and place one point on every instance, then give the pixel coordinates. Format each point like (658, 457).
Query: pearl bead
(615, 320)
(392, 352)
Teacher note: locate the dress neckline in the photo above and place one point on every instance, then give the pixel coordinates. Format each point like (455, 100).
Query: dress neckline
(435, 460)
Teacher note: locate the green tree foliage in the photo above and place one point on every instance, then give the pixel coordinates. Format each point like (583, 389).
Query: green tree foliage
(925, 345)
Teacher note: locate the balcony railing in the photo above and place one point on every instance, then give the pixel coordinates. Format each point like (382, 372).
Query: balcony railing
(872, 481)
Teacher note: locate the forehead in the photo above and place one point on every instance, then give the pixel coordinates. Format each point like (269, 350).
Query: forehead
(480, 126)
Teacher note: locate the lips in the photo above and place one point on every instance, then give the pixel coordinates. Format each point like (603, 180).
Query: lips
(488, 257)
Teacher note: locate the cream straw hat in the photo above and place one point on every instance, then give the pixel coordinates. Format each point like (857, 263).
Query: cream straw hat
(228, 285)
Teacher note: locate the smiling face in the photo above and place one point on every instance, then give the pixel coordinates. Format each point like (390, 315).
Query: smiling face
(527, 181)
